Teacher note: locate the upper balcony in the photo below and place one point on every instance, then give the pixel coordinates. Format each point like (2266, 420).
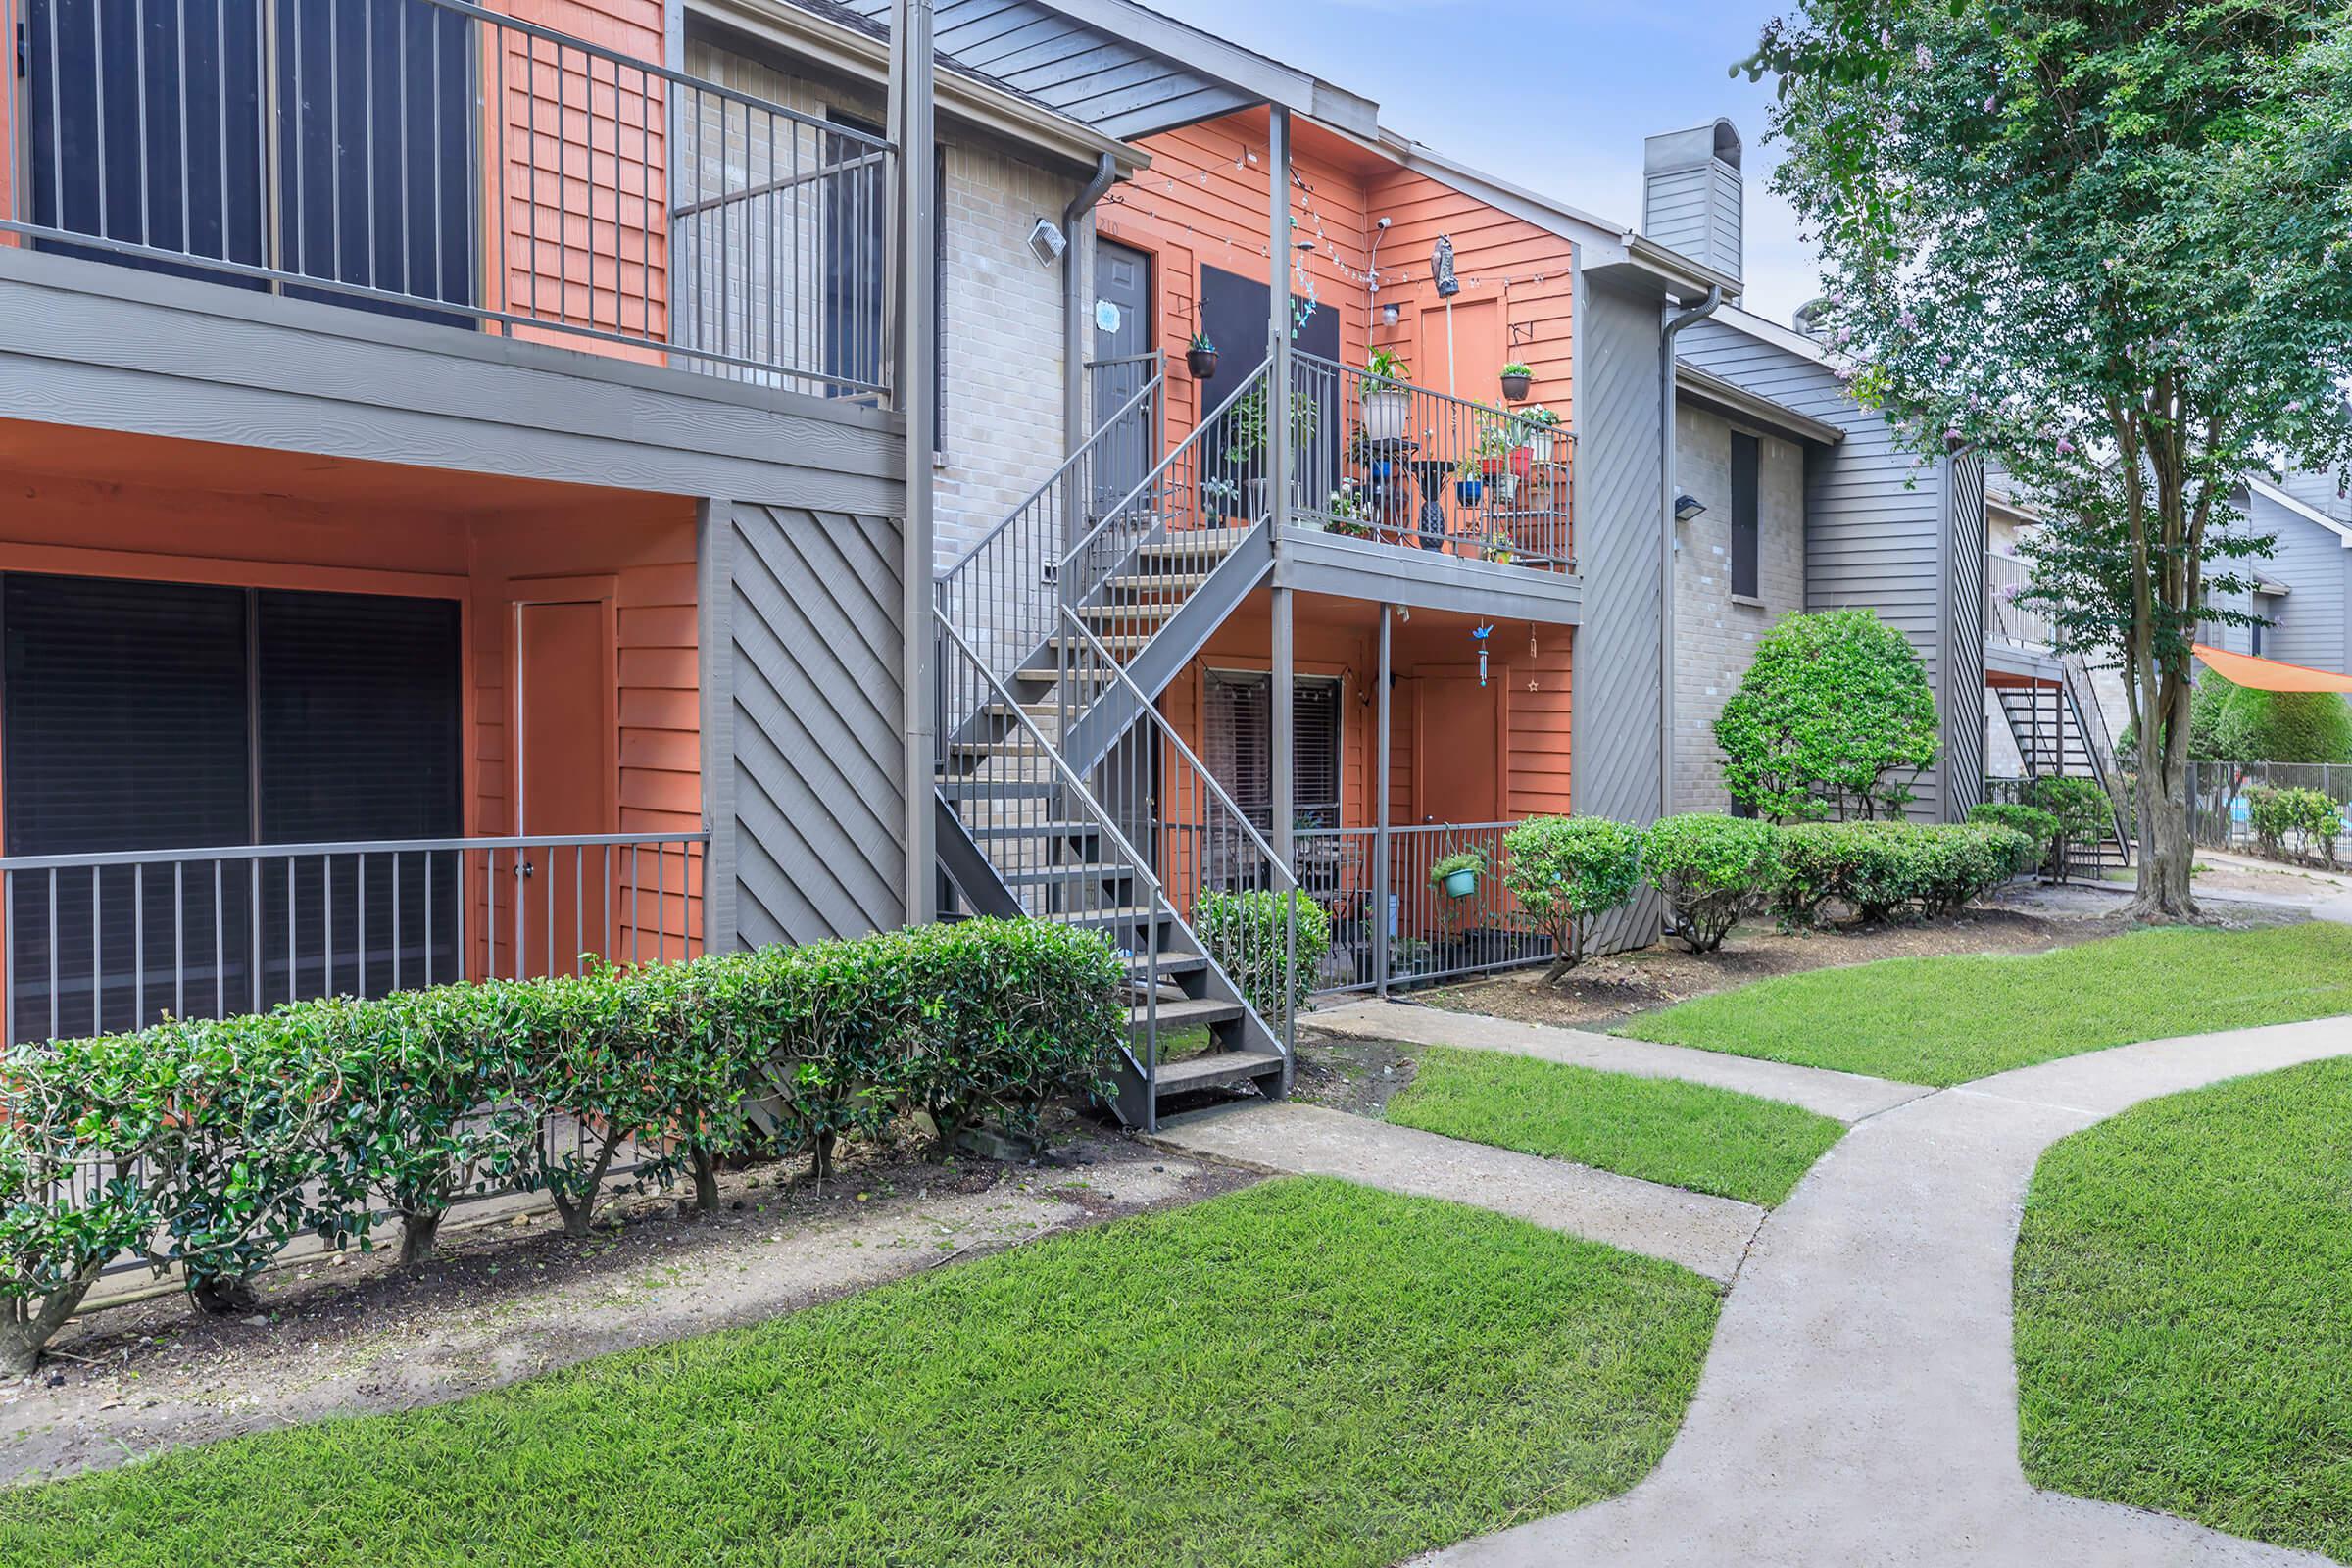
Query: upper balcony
(436, 162)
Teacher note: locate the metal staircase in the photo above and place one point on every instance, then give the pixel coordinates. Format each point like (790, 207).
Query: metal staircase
(2061, 733)
(1063, 794)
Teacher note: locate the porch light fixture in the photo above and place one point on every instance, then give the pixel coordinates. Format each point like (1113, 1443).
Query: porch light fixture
(1687, 507)
(1390, 315)
(1048, 243)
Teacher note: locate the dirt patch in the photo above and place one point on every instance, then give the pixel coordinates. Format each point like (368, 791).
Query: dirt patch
(512, 1299)
(1357, 1076)
(2223, 877)
(1603, 993)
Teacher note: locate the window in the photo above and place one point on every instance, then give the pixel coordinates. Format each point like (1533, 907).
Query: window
(145, 715)
(1744, 527)
(856, 222)
(1239, 732)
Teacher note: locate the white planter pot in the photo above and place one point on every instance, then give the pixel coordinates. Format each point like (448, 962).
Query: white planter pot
(1385, 412)
(1538, 446)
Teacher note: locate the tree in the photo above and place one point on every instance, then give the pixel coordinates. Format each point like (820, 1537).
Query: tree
(2258, 726)
(2107, 243)
(1566, 872)
(1835, 716)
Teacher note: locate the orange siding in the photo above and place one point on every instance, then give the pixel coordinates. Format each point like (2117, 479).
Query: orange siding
(579, 216)
(1204, 202)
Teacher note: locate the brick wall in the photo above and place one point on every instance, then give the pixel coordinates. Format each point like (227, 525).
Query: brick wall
(1715, 636)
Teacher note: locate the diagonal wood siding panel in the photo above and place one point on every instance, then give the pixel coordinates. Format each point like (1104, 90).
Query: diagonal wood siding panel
(818, 799)
(1962, 699)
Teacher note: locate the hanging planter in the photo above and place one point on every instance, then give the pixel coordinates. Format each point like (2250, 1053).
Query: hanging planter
(1200, 356)
(1517, 378)
(1388, 407)
(1468, 489)
(1456, 876)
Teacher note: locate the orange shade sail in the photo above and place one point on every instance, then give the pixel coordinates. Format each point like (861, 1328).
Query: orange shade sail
(2268, 674)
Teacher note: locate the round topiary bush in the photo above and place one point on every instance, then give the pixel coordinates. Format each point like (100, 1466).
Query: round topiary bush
(1835, 716)
(1708, 866)
(2258, 726)
(1567, 871)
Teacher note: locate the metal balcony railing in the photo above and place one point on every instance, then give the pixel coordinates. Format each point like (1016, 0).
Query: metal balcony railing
(2006, 620)
(1432, 930)
(111, 942)
(438, 161)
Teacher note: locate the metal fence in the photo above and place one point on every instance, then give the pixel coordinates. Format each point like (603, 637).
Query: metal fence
(113, 942)
(1382, 460)
(1410, 928)
(2221, 804)
(440, 161)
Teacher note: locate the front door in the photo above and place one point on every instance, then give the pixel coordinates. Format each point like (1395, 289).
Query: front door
(563, 784)
(1118, 370)
(1458, 749)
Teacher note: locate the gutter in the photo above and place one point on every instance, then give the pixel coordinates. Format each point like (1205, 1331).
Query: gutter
(1666, 430)
(1074, 310)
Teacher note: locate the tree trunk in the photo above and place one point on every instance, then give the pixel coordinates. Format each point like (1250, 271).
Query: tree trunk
(822, 1164)
(2167, 850)
(217, 1298)
(705, 1181)
(418, 1229)
(29, 1325)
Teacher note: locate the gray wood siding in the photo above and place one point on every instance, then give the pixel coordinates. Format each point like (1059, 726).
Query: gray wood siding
(2310, 561)
(1960, 703)
(1619, 714)
(1875, 527)
(814, 789)
(1113, 84)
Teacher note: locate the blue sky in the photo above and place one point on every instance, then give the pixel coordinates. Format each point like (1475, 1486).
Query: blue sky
(1556, 97)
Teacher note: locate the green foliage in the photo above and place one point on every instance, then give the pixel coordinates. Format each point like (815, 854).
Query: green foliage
(2037, 824)
(210, 1145)
(1708, 867)
(1244, 933)
(2085, 810)
(2312, 819)
(2258, 726)
(1833, 716)
(1881, 870)
(1567, 871)
(2106, 246)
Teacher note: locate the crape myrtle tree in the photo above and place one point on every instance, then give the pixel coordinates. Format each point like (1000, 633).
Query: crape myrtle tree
(2111, 245)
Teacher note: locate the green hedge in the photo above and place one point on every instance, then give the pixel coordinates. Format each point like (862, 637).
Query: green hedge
(1708, 866)
(210, 1145)
(1883, 869)
(1566, 872)
(2033, 821)
(2312, 819)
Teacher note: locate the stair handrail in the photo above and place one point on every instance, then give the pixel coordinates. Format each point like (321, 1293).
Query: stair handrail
(2091, 719)
(1148, 711)
(1136, 863)
(1083, 450)
(1198, 435)
(1285, 881)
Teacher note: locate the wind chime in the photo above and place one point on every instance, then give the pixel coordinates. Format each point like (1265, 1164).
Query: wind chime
(1479, 635)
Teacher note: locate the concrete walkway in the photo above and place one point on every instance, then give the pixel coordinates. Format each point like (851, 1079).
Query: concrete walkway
(1847, 1096)
(1704, 1233)
(1859, 1404)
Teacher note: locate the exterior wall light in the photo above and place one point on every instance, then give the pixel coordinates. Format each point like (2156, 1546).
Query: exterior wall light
(1687, 507)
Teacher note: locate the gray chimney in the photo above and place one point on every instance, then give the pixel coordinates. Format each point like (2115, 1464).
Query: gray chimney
(1691, 198)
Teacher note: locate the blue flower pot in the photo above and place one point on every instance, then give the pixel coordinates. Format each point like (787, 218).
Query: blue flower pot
(1467, 491)
(1461, 884)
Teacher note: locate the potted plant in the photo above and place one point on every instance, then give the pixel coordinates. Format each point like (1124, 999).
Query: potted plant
(1499, 548)
(1469, 485)
(1516, 378)
(1245, 444)
(1499, 462)
(1387, 404)
(1346, 512)
(1540, 429)
(1200, 356)
(1458, 874)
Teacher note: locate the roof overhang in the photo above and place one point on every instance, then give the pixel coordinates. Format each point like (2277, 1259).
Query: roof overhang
(1738, 403)
(964, 98)
(1263, 79)
(2308, 512)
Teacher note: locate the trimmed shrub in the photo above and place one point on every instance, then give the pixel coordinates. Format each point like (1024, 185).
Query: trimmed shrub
(1567, 871)
(1884, 868)
(1956, 864)
(1708, 866)
(2037, 824)
(1835, 716)
(2311, 817)
(210, 1145)
(1243, 934)
(2258, 726)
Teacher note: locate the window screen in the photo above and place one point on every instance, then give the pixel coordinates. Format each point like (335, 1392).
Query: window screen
(1239, 734)
(1744, 524)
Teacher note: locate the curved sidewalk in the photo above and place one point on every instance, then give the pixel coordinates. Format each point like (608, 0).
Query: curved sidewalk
(1859, 1404)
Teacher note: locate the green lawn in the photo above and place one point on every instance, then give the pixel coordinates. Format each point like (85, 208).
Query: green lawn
(1300, 1372)
(2184, 1322)
(1947, 1020)
(1660, 1129)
